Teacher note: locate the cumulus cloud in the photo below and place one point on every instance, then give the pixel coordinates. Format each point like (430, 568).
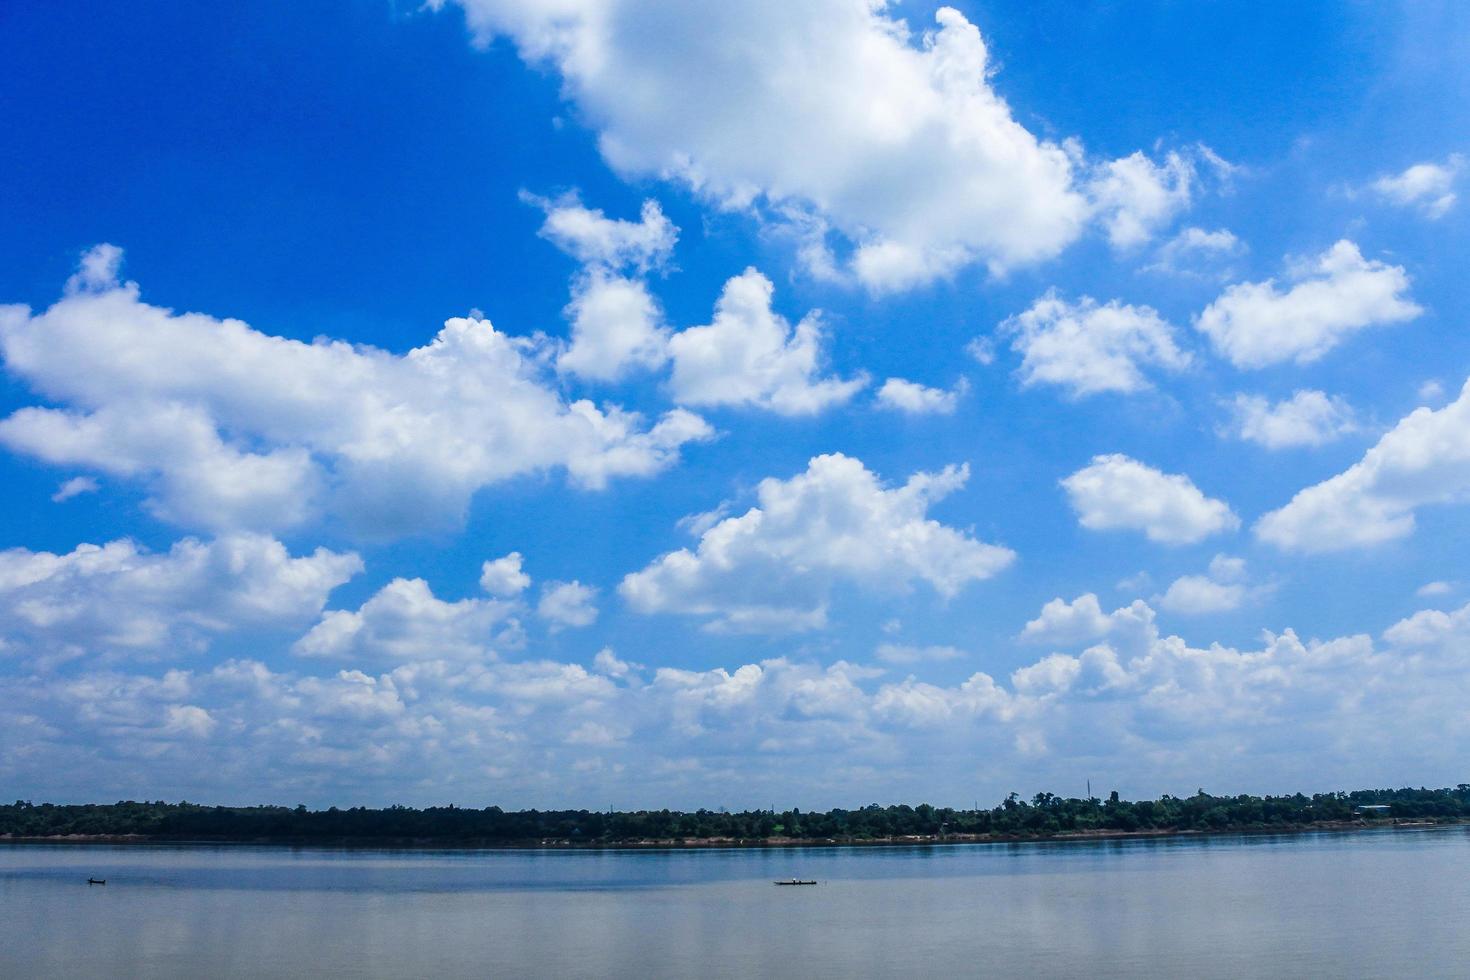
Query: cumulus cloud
(230, 428)
(1116, 492)
(1432, 629)
(832, 110)
(750, 356)
(617, 326)
(404, 622)
(1428, 187)
(118, 599)
(1307, 418)
(503, 577)
(1423, 460)
(607, 662)
(1328, 298)
(1223, 589)
(1070, 624)
(1342, 708)
(1088, 349)
(773, 567)
(1135, 197)
(565, 604)
(912, 398)
(592, 238)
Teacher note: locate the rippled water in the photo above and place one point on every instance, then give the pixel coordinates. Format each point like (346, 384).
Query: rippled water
(1378, 903)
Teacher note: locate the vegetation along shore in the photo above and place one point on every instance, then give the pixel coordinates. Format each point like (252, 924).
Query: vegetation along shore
(1045, 816)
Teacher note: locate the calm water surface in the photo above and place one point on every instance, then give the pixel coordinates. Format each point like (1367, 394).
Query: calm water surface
(1373, 904)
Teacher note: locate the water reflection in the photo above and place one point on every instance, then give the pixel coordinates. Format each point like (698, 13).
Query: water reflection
(1377, 903)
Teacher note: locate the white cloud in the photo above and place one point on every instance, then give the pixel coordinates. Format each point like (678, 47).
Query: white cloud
(772, 568)
(1330, 297)
(1135, 197)
(912, 398)
(747, 356)
(1070, 624)
(75, 487)
(616, 329)
(1423, 460)
(565, 604)
(592, 238)
(1115, 492)
(1433, 629)
(118, 599)
(232, 428)
(982, 349)
(1198, 253)
(904, 654)
(616, 323)
(1224, 589)
(1436, 588)
(503, 577)
(189, 720)
(607, 662)
(405, 622)
(750, 356)
(1428, 186)
(1088, 349)
(830, 109)
(1307, 418)
(1341, 709)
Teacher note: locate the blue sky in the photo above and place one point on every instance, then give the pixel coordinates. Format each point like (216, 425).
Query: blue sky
(589, 403)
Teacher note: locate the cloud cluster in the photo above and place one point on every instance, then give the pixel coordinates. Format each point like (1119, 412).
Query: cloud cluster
(119, 600)
(230, 428)
(1329, 298)
(1114, 693)
(404, 622)
(617, 326)
(773, 567)
(1116, 492)
(1423, 460)
(831, 112)
(747, 356)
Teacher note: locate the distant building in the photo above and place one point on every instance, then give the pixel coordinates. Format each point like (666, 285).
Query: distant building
(1373, 810)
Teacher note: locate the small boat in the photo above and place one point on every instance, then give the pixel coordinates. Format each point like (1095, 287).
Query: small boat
(794, 881)
(96, 881)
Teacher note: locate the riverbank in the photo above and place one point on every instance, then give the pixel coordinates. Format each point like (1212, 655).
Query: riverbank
(730, 843)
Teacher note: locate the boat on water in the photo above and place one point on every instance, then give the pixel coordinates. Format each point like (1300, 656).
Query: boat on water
(794, 881)
(96, 881)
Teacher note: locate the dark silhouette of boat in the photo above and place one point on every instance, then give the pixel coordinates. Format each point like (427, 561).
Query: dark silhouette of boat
(794, 881)
(96, 881)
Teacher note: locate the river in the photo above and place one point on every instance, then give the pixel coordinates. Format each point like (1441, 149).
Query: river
(1391, 902)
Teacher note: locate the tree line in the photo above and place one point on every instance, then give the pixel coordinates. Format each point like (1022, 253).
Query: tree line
(1044, 815)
